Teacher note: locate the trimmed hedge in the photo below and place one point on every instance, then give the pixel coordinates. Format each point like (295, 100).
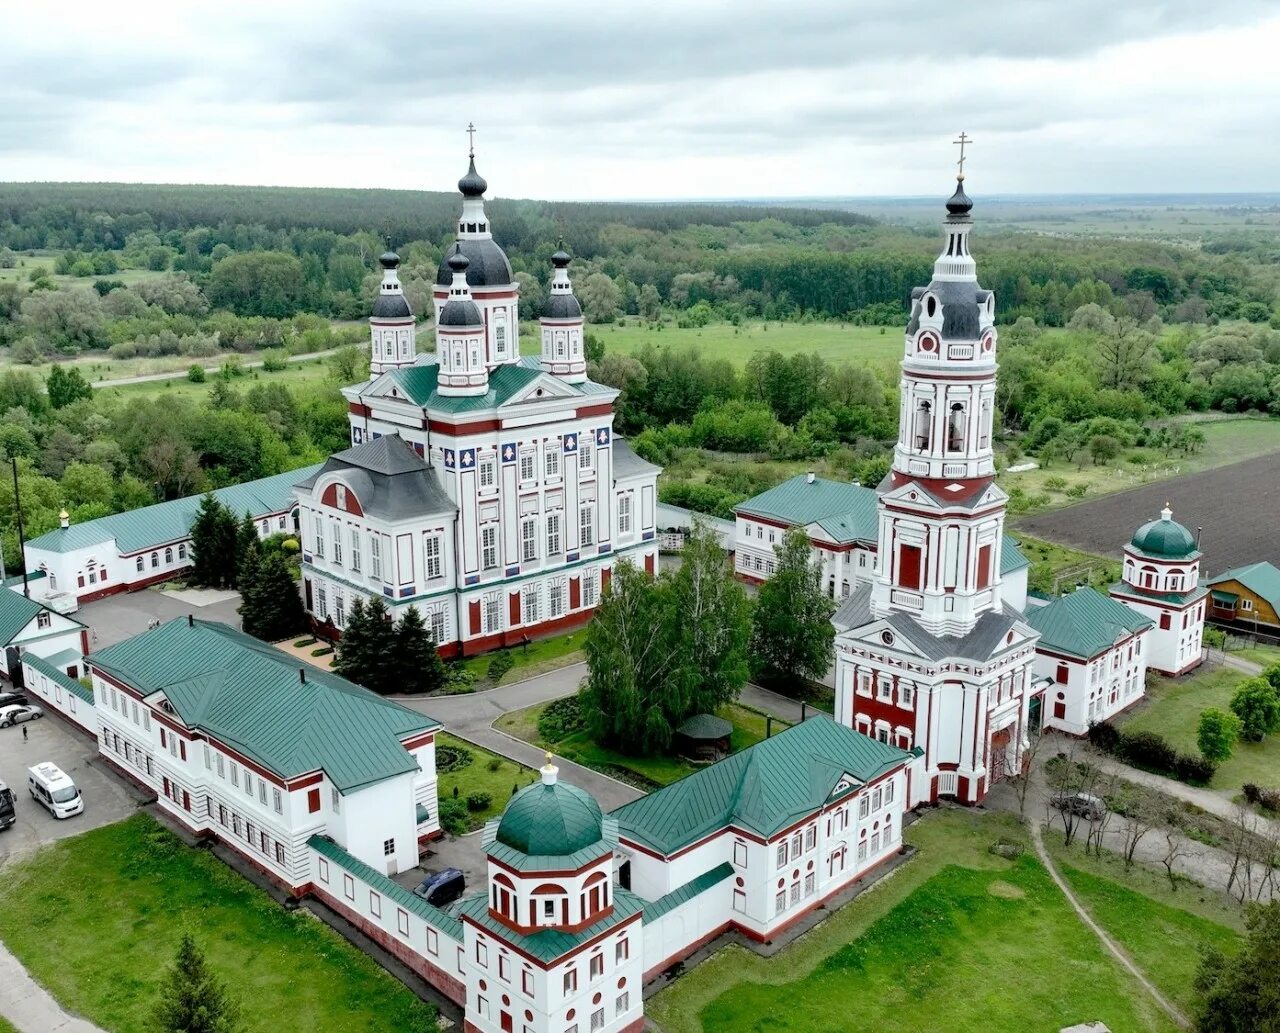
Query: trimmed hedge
(1151, 752)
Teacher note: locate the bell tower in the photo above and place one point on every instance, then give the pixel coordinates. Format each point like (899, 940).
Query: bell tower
(941, 514)
(392, 329)
(563, 346)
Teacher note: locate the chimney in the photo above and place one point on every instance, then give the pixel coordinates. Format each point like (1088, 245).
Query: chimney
(302, 675)
(810, 477)
(64, 519)
(191, 621)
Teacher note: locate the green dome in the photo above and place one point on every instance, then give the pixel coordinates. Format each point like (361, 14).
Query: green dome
(551, 819)
(1165, 538)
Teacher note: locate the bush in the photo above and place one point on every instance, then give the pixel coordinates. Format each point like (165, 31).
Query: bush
(1252, 793)
(274, 360)
(479, 801)
(1147, 750)
(290, 546)
(494, 763)
(452, 758)
(560, 719)
(302, 643)
(454, 817)
(322, 651)
(1257, 704)
(196, 374)
(1194, 770)
(1269, 800)
(1077, 491)
(501, 663)
(1104, 736)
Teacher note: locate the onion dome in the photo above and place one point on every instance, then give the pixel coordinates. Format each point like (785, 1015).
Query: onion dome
(1165, 538)
(459, 310)
(561, 306)
(561, 258)
(489, 265)
(391, 306)
(389, 260)
(551, 819)
(472, 184)
(959, 203)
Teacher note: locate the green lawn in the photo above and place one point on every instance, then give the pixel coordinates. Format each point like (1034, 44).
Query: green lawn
(1264, 655)
(835, 342)
(957, 940)
(97, 918)
(748, 729)
(5, 1027)
(539, 656)
(311, 373)
(487, 773)
(1049, 559)
(1172, 708)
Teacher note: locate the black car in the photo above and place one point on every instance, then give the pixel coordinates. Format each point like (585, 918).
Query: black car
(13, 698)
(442, 888)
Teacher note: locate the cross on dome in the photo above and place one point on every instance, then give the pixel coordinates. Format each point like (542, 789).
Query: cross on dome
(963, 140)
(471, 139)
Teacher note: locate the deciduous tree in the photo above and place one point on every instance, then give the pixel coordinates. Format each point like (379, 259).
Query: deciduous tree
(1242, 994)
(1217, 734)
(791, 632)
(1257, 704)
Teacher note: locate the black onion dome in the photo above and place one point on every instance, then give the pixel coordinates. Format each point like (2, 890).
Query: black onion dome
(391, 306)
(561, 258)
(962, 303)
(460, 312)
(959, 203)
(472, 184)
(457, 262)
(489, 265)
(561, 306)
(389, 260)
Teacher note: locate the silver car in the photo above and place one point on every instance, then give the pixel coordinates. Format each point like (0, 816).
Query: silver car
(16, 714)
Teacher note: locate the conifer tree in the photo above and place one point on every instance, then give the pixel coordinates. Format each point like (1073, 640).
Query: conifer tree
(368, 647)
(248, 548)
(214, 561)
(420, 668)
(272, 608)
(792, 633)
(353, 648)
(192, 999)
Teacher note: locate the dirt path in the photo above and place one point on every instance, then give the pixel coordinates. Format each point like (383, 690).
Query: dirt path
(1112, 947)
(147, 378)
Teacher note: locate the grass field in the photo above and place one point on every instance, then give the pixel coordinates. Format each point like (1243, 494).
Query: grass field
(544, 654)
(309, 373)
(1264, 655)
(24, 264)
(97, 918)
(957, 940)
(5, 1027)
(835, 342)
(748, 729)
(1173, 707)
(1049, 559)
(487, 773)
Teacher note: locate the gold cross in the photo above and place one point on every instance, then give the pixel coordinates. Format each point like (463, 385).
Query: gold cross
(963, 141)
(471, 140)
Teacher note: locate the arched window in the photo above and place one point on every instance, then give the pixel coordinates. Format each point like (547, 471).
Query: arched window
(924, 423)
(168, 555)
(1148, 577)
(955, 428)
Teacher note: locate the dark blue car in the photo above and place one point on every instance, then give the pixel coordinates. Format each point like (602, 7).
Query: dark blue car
(442, 888)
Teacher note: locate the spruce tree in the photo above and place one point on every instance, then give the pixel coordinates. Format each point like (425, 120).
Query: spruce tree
(420, 666)
(247, 547)
(352, 650)
(212, 544)
(272, 609)
(192, 999)
(382, 669)
(791, 629)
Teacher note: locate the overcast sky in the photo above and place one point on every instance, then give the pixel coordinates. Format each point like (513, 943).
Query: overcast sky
(630, 99)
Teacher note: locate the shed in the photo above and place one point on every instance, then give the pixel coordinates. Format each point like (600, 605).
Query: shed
(704, 737)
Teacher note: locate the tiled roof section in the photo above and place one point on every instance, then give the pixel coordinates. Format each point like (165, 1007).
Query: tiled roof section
(389, 478)
(407, 899)
(16, 612)
(55, 674)
(1011, 556)
(762, 790)
(855, 611)
(627, 464)
(171, 521)
(1084, 623)
(847, 512)
(691, 889)
(549, 944)
(1262, 579)
(250, 696)
(418, 382)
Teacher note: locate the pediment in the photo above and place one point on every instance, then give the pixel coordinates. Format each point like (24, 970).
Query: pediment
(880, 634)
(541, 388)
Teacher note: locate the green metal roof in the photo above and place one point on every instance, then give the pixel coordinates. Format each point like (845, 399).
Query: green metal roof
(684, 894)
(16, 612)
(847, 512)
(762, 790)
(1224, 597)
(249, 695)
(390, 889)
(1084, 623)
(55, 674)
(1011, 556)
(549, 944)
(1262, 579)
(1175, 598)
(551, 820)
(164, 522)
(706, 726)
(1165, 539)
(505, 381)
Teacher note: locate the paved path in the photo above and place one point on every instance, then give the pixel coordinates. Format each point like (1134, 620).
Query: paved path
(27, 1005)
(148, 378)
(1112, 947)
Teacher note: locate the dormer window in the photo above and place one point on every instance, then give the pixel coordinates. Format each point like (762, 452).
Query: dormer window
(340, 496)
(930, 306)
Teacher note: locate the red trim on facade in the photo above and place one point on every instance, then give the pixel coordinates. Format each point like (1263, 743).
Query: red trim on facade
(422, 740)
(459, 429)
(517, 636)
(548, 966)
(600, 409)
(358, 409)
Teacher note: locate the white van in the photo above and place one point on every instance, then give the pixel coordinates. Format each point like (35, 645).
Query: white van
(50, 786)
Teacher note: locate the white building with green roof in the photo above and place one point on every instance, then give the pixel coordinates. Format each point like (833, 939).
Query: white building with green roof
(28, 627)
(532, 500)
(243, 743)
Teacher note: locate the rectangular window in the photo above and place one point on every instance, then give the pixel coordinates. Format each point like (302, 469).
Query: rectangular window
(375, 904)
(337, 543)
(529, 605)
(597, 965)
(623, 950)
(319, 538)
(571, 981)
(780, 902)
(553, 459)
(435, 624)
(375, 556)
(624, 1003)
(529, 539)
(554, 537)
(586, 456)
(355, 549)
(388, 847)
(810, 837)
(624, 514)
(482, 954)
(1061, 674)
(862, 850)
(590, 589)
(235, 768)
(402, 921)
(526, 983)
(277, 800)
(888, 792)
(248, 783)
(489, 546)
(909, 566)
(810, 884)
(586, 524)
(740, 854)
(864, 806)
(488, 472)
(905, 695)
(782, 853)
(434, 562)
(526, 466)
(555, 599)
(492, 614)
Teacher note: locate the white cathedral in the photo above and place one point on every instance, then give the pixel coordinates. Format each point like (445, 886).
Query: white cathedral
(486, 489)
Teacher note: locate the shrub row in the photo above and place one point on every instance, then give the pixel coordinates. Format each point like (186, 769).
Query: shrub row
(1268, 799)
(1151, 752)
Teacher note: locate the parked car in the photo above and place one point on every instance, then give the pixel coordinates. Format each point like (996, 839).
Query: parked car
(13, 698)
(8, 815)
(16, 714)
(443, 887)
(1081, 804)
